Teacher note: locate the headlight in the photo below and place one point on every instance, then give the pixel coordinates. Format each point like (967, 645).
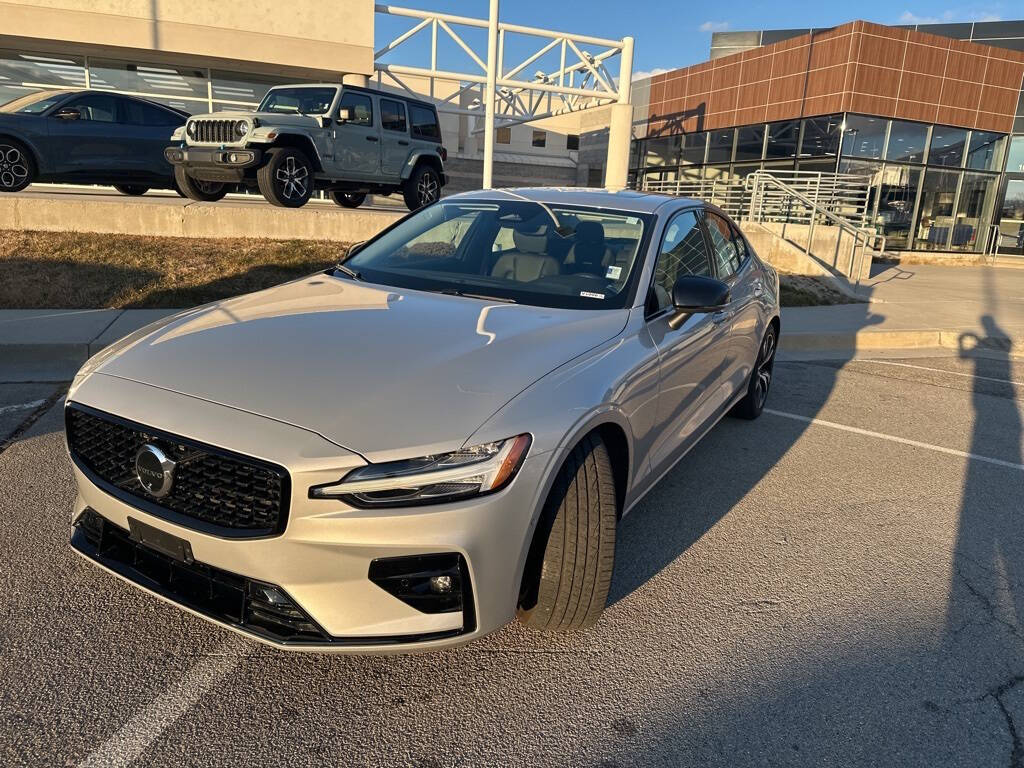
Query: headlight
(190, 128)
(242, 127)
(430, 479)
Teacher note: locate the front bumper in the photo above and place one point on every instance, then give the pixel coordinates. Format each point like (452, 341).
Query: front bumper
(214, 163)
(323, 558)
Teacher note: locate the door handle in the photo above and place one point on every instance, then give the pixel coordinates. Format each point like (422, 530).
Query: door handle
(403, 143)
(372, 138)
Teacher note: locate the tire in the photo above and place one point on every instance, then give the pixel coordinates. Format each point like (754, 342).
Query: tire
(17, 167)
(422, 188)
(286, 179)
(752, 404)
(133, 190)
(347, 199)
(569, 567)
(197, 189)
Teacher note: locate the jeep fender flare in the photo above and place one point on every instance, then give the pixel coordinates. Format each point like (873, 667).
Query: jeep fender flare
(299, 140)
(422, 155)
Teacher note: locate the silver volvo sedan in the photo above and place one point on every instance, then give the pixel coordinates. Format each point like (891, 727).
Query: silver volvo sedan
(437, 435)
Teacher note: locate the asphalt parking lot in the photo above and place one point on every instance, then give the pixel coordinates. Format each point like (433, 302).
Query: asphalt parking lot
(838, 583)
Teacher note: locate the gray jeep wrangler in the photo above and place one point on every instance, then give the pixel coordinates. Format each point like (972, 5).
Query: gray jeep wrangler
(346, 140)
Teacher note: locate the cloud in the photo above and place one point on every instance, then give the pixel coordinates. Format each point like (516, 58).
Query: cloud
(649, 73)
(714, 26)
(907, 17)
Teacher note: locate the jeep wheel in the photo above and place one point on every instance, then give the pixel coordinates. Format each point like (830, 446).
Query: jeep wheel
(569, 566)
(197, 189)
(17, 169)
(347, 199)
(286, 179)
(422, 188)
(133, 190)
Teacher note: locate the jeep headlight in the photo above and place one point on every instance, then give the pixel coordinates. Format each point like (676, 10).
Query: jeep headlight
(242, 127)
(460, 474)
(190, 128)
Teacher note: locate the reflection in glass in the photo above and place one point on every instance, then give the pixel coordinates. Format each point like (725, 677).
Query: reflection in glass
(720, 146)
(694, 147)
(907, 142)
(663, 150)
(897, 190)
(977, 195)
(935, 220)
(985, 151)
(782, 139)
(162, 79)
(242, 87)
(864, 136)
(947, 146)
(750, 142)
(872, 175)
(1015, 160)
(41, 70)
(1011, 225)
(821, 136)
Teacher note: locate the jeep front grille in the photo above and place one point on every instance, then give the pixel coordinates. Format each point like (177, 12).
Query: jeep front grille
(213, 490)
(214, 131)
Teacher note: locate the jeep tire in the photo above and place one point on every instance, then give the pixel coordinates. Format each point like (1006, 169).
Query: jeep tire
(422, 188)
(286, 178)
(197, 189)
(347, 199)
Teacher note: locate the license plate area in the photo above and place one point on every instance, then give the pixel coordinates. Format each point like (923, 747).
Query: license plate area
(161, 541)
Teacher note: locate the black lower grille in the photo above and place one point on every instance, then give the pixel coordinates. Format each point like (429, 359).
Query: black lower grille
(212, 490)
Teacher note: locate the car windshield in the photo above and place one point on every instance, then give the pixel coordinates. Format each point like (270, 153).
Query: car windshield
(553, 255)
(33, 103)
(305, 101)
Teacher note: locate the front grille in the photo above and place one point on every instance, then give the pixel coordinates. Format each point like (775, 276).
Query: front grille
(213, 490)
(215, 131)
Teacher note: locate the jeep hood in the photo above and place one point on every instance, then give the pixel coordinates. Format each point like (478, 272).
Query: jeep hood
(277, 119)
(384, 372)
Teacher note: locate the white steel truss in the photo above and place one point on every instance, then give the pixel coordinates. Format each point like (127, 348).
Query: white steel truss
(581, 81)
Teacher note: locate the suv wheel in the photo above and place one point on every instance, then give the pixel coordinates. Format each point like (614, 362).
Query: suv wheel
(569, 567)
(422, 188)
(347, 199)
(197, 189)
(133, 190)
(17, 169)
(752, 404)
(286, 179)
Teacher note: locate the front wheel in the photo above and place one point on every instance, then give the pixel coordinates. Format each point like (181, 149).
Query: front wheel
(422, 188)
(17, 169)
(569, 566)
(752, 404)
(197, 189)
(133, 190)
(286, 179)
(347, 199)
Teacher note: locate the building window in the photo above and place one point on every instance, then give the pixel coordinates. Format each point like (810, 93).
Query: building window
(864, 137)
(25, 73)
(906, 142)
(896, 194)
(935, 220)
(720, 146)
(783, 138)
(572, 141)
(985, 151)
(663, 150)
(540, 139)
(187, 84)
(973, 211)
(503, 135)
(821, 136)
(242, 88)
(595, 176)
(947, 146)
(750, 142)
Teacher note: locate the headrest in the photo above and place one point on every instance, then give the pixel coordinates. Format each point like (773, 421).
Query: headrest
(590, 233)
(531, 238)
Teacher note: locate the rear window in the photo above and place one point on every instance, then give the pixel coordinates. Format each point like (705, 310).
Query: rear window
(424, 123)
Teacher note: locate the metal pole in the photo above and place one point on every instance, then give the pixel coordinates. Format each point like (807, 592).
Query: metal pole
(490, 95)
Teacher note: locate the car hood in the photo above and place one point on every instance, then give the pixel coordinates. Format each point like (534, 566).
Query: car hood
(266, 118)
(385, 372)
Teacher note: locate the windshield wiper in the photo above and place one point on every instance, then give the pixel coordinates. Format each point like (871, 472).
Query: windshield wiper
(483, 296)
(348, 271)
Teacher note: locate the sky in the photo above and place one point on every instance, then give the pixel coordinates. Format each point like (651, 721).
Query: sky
(668, 34)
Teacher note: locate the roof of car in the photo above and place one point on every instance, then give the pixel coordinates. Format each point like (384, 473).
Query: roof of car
(349, 87)
(622, 200)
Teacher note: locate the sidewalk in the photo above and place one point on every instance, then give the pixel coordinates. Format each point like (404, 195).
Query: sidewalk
(911, 307)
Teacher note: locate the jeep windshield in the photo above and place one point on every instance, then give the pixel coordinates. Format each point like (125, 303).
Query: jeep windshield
(301, 101)
(564, 256)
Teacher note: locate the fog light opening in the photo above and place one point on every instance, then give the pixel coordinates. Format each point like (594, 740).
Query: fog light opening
(441, 585)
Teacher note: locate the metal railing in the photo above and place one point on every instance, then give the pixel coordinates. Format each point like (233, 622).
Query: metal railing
(997, 240)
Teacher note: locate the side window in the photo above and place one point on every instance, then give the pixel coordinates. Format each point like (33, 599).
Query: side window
(361, 106)
(723, 245)
(424, 123)
(99, 108)
(392, 115)
(683, 252)
(138, 113)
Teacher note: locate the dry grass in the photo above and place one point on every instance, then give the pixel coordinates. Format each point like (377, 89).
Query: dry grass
(806, 291)
(75, 270)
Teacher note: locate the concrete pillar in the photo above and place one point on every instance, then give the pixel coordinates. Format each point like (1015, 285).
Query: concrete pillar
(620, 127)
(352, 79)
(490, 94)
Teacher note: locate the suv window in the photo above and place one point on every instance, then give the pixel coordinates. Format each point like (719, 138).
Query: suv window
(139, 113)
(392, 115)
(97, 107)
(723, 244)
(361, 106)
(424, 123)
(683, 252)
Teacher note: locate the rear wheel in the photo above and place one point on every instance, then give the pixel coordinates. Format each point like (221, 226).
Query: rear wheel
(347, 199)
(752, 404)
(133, 190)
(286, 179)
(422, 188)
(197, 189)
(569, 567)
(17, 169)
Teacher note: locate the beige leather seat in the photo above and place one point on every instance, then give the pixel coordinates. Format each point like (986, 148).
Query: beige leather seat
(529, 260)
(589, 253)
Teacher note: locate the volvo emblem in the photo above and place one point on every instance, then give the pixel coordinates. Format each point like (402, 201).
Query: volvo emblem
(154, 470)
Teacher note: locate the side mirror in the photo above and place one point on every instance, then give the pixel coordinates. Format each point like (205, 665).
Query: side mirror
(693, 294)
(344, 115)
(323, 121)
(68, 113)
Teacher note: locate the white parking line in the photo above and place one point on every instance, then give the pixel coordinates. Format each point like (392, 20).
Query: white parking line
(146, 725)
(942, 370)
(895, 439)
(20, 407)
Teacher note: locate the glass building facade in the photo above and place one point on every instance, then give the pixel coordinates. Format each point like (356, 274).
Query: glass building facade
(932, 187)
